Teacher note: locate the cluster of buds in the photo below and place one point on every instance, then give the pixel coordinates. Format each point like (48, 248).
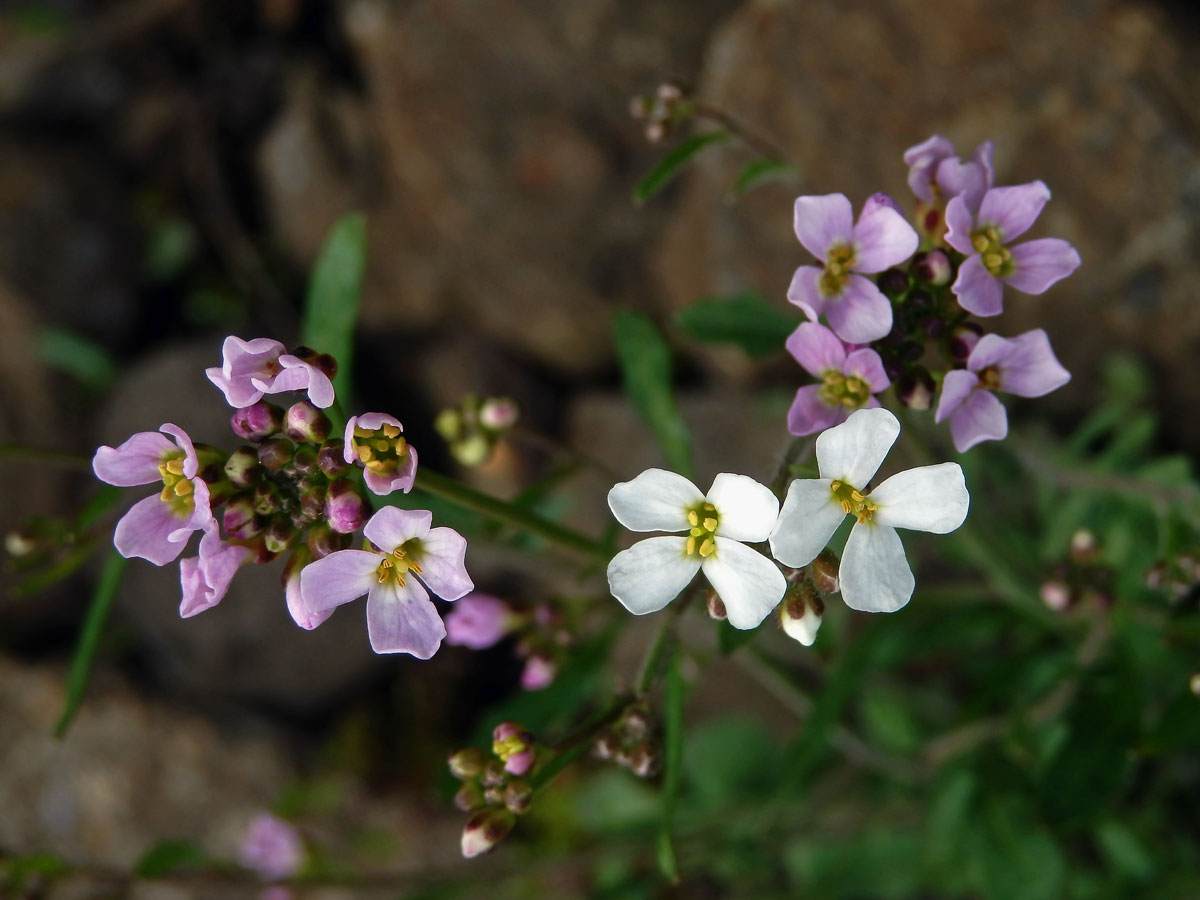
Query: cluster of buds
(661, 112)
(495, 787)
(1179, 576)
(803, 605)
(631, 743)
(480, 621)
(474, 426)
(1080, 578)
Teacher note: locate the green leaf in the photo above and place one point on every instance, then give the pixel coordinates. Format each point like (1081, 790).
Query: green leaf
(78, 356)
(745, 319)
(334, 291)
(167, 857)
(673, 697)
(89, 640)
(757, 172)
(646, 367)
(671, 164)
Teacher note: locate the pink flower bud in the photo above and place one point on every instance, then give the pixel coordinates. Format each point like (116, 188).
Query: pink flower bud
(257, 421)
(538, 673)
(484, 830)
(345, 509)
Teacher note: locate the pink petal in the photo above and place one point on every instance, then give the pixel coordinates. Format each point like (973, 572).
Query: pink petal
(1013, 210)
(822, 222)
(980, 418)
(956, 388)
(317, 383)
(301, 614)
(191, 465)
(134, 462)
(205, 579)
(400, 480)
(477, 621)
(978, 291)
(882, 237)
(443, 564)
(861, 314)
(403, 620)
(867, 365)
(1028, 366)
(959, 225)
(338, 578)
(805, 291)
(390, 527)
(809, 414)
(149, 530)
(816, 348)
(922, 161)
(1040, 263)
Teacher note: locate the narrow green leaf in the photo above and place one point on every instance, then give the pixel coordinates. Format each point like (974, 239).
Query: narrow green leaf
(646, 366)
(334, 291)
(78, 356)
(745, 319)
(759, 171)
(89, 640)
(671, 164)
(673, 697)
(167, 857)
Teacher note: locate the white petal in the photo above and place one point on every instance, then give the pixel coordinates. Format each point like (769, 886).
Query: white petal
(809, 517)
(749, 584)
(931, 498)
(874, 573)
(651, 573)
(657, 500)
(747, 509)
(852, 451)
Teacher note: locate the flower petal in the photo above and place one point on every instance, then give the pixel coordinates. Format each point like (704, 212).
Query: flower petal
(205, 579)
(874, 575)
(478, 621)
(882, 236)
(978, 290)
(1040, 263)
(852, 451)
(809, 413)
(959, 225)
(746, 509)
(390, 526)
(867, 365)
(191, 465)
(149, 532)
(443, 565)
(805, 291)
(822, 222)
(657, 500)
(956, 388)
(980, 418)
(338, 578)
(400, 480)
(930, 498)
(134, 462)
(301, 614)
(816, 348)
(651, 573)
(1027, 364)
(1014, 209)
(861, 313)
(748, 583)
(403, 620)
(922, 161)
(809, 517)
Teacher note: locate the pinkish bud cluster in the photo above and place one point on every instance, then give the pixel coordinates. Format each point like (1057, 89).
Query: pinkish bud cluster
(1080, 578)
(479, 621)
(475, 426)
(495, 787)
(632, 743)
(662, 111)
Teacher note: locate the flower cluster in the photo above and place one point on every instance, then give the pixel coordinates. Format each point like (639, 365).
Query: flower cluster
(292, 489)
(898, 300)
(495, 787)
(479, 621)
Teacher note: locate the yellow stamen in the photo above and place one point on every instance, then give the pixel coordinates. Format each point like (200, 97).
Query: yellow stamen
(693, 518)
(391, 431)
(174, 466)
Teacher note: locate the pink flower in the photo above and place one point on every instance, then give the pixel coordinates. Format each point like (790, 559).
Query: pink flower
(271, 847)
(205, 578)
(301, 614)
(400, 616)
(856, 309)
(538, 673)
(375, 441)
(849, 381)
(158, 527)
(263, 366)
(478, 621)
(936, 173)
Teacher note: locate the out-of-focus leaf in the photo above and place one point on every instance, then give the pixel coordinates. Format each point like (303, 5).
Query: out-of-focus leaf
(673, 697)
(646, 366)
(167, 857)
(1125, 853)
(732, 759)
(759, 171)
(671, 164)
(744, 319)
(89, 640)
(1021, 859)
(334, 291)
(78, 356)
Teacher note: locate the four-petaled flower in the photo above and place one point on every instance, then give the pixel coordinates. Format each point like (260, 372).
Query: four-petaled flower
(400, 616)
(874, 574)
(856, 309)
(648, 575)
(936, 173)
(158, 527)
(263, 366)
(375, 441)
(1005, 213)
(1024, 365)
(849, 381)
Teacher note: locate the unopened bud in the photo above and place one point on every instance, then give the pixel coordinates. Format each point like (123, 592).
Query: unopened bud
(448, 424)
(499, 413)
(538, 673)
(280, 535)
(331, 458)
(1055, 594)
(656, 132)
(716, 606)
(517, 796)
(645, 761)
(469, 797)
(893, 283)
(915, 388)
(932, 268)
(493, 773)
(484, 830)
(824, 572)
(266, 499)
(494, 795)
(304, 462)
(276, 453)
(304, 422)
(635, 725)
(257, 422)
(322, 540)
(20, 543)
(963, 340)
(1082, 549)
(606, 745)
(472, 450)
(467, 763)
(241, 520)
(242, 467)
(345, 509)
(323, 361)
(640, 107)
(800, 613)
(670, 93)
(1194, 684)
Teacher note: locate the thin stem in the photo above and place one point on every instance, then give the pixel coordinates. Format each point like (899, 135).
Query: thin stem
(554, 448)
(656, 657)
(756, 142)
(44, 455)
(458, 493)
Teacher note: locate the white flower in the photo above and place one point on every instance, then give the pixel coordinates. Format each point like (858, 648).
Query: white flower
(648, 575)
(874, 574)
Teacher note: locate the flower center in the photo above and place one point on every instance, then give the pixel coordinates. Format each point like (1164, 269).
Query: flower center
(702, 519)
(397, 564)
(852, 501)
(177, 490)
(837, 269)
(380, 451)
(996, 258)
(989, 378)
(509, 746)
(840, 389)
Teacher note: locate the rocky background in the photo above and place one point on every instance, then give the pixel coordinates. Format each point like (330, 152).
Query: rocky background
(169, 168)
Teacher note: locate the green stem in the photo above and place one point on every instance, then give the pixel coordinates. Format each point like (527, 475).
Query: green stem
(458, 493)
(656, 657)
(25, 453)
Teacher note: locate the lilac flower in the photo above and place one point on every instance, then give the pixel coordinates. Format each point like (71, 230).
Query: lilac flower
(271, 847)
(205, 578)
(478, 621)
(294, 597)
(1024, 365)
(515, 746)
(936, 173)
(854, 306)
(158, 527)
(263, 366)
(400, 616)
(985, 237)
(375, 441)
(849, 380)
(649, 575)
(538, 673)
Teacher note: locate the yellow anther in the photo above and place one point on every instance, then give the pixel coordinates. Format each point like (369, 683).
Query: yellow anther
(710, 524)
(375, 465)
(693, 518)
(835, 486)
(992, 260)
(399, 552)
(708, 548)
(979, 242)
(364, 453)
(361, 432)
(697, 531)
(690, 549)
(413, 567)
(382, 446)
(183, 488)
(856, 496)
(391, 431)
(174, 466)
(846, 506)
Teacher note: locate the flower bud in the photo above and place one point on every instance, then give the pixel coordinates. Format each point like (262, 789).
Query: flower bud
(963, 340)
(331, 458)
(493, 774)
(448, 424)
(257, 422)
(606, 746)
(893, 282)
(304, 462)
(345, 508)
(469, 797)
(635, 724)
(242, 467)
(472, 450)
(1056, 594)
(800, 613)
(645, 760)
(323, 361)
(716, 606)
(670, 93)
(640, 107)
(1194, 684)
(484, 830)
(467, 763)
(538, 673)
(240, 519)
(499, 413)
(824, 572)
(280, 535)
(304, 422)
(20, 543)
(1083, 547)
(915, 388)
(932, 268)
(515, 746)
(322, 540)
(266, 499)
(517, 796)
(276, 453)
